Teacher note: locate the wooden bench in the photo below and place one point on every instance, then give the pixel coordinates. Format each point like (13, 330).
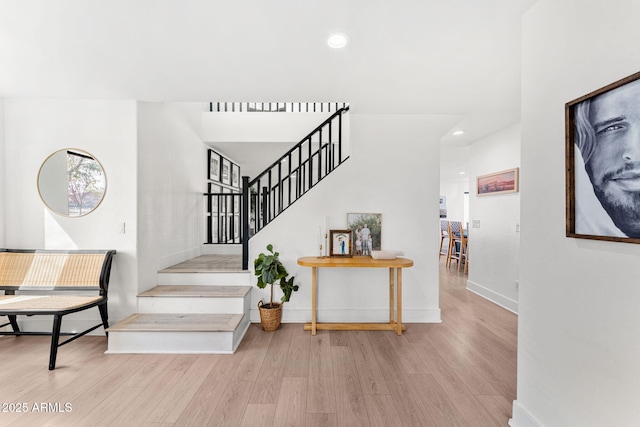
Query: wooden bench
(53, 283)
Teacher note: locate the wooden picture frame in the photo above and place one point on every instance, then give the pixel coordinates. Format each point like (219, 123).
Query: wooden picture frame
(602, 171)
(505, 181)
(356, 223)
(341, 243)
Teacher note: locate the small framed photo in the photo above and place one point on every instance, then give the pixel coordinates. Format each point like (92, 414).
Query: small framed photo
(367, 229)
(214, 166)
(602, 166)
(498, 182)
(235, 176)
(341, 243)
(226, 171)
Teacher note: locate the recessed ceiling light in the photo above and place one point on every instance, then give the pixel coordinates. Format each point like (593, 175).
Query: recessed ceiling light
(461, 173)
(337, 40)
(458, 132)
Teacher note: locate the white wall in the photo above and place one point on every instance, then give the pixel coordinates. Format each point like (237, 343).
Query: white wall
(579, 322)
(454, 192)
(393, 170)
(259, 127)
(454, 178)
(35, 128)
(494, 247)
(172, 171)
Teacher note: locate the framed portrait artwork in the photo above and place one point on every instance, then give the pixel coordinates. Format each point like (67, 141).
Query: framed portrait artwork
(602, 163)
(367, 230)
(214, 166)
(341, 243)
(497, 182)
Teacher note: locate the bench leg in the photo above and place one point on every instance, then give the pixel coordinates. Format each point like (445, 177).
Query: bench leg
(55, 338)
(14, 323)
(105, 317)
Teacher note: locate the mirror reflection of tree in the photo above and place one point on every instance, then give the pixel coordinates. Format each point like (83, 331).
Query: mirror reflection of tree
(85, 183)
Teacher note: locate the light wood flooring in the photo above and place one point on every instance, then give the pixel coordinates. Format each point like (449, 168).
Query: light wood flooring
(458, 373)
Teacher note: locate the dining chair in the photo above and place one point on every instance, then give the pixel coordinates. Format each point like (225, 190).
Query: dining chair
(463, 255)
(444, 233)
(455, 231)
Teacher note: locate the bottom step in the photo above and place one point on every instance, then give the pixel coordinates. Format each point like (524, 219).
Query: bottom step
(178, 333)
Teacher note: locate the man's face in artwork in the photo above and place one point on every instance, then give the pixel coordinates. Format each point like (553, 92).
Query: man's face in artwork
(614, 165)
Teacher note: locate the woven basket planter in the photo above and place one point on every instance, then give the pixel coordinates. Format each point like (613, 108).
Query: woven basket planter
(270, 317)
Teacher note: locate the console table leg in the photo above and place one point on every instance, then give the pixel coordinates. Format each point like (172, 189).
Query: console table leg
(314, 299)
(399, 314)
(391, 296)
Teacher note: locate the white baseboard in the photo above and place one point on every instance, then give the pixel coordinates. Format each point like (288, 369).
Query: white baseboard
(522, 418)
(492, 296)
(290, 315)
(230, 249)
(178, 257)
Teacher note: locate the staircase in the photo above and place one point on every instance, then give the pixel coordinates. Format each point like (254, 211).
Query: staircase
(199, 306)
(203, 305)
(281, 184)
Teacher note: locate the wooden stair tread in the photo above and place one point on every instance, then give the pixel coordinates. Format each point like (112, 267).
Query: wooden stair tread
(208, 264)
(203, 291)
(154, 322)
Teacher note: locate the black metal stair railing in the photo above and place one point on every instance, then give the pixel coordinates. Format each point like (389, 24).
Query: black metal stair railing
(275, 107)
(291, 176)
(235, 218)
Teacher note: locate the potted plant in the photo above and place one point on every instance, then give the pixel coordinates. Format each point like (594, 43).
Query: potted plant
(270, 270)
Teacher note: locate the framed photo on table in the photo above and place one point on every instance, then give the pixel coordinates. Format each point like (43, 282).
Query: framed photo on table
(341, 243)
(368, 232)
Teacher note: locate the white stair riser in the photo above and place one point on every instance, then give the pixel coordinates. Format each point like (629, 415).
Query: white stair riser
(230, 249)
(209, 279)
(194, 305)
(158, 342)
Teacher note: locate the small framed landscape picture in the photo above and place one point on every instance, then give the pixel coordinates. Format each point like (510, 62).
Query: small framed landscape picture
(214, 166)
(498, 182)
(341, 243)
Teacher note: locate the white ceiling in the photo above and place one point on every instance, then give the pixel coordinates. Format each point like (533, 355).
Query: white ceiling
(453, 57)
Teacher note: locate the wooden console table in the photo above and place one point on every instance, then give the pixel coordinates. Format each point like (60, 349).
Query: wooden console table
(395, 267)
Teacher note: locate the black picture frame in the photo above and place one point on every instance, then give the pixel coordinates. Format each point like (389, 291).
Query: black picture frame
(600, 181)
(235, 175)
(214, 166)
(225, 172)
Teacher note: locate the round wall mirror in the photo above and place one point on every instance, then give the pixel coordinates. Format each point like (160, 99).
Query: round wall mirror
(71, 182)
